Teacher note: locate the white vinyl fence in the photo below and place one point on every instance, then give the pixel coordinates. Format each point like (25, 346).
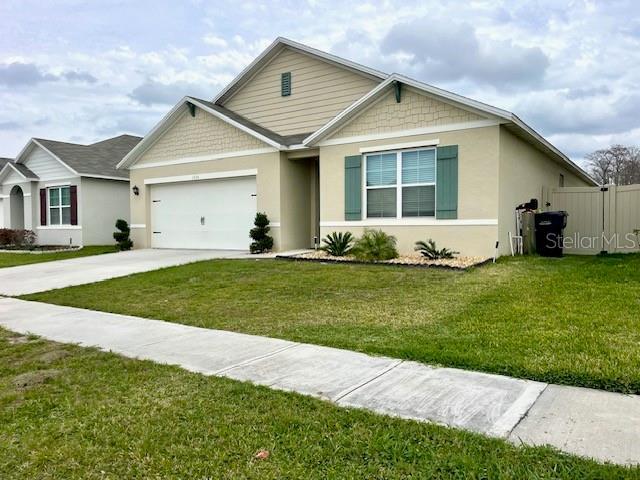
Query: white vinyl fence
(601, 219)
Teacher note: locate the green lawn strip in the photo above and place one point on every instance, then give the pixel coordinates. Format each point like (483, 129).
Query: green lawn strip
(9, 259)
(571, 321)
(73, 413)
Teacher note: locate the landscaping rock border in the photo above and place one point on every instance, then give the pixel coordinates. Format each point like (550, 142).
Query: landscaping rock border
(415, 261)
(40, 250)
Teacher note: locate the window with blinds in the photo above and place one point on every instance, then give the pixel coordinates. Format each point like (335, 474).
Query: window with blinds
(401, 184)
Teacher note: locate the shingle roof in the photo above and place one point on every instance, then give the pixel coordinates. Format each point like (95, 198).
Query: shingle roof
(99, 158)
(286, 140)
(21, 168)
(24, 170)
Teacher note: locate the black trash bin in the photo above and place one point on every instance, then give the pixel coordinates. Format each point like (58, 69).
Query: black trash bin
(549, 227)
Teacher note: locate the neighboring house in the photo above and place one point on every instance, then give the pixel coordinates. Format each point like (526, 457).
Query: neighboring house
(69, 194)
(322, 144)
(3, 162)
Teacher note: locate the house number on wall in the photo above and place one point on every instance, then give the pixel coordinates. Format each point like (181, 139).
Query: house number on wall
(195, 177)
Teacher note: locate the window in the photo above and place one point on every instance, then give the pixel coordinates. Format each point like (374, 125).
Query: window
(401, 184)
(285, 84)
(561, 181)
(59, 206)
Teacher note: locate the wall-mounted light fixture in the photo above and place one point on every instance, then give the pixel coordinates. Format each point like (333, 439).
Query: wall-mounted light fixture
(136, 190)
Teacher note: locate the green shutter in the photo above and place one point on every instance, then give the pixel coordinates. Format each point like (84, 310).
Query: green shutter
(447, 182)
(285, 84)
(353, 187)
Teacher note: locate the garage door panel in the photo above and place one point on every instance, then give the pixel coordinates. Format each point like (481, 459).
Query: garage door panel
(212, 214)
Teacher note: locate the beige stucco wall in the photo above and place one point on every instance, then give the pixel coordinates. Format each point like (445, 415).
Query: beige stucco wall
(103, 202)
(524, 171)
(469, 240)
(267, 180)
(477, 171)
(319, 91)
(414, 111)
(203, 134)
(477, 191)
(295, 203)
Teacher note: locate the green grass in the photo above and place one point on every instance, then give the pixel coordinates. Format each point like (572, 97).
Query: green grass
(14, 259)
(73, 413)
(572, 321)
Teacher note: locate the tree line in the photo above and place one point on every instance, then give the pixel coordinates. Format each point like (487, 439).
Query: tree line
(618, 164)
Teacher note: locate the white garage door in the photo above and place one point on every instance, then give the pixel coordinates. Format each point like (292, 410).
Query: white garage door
(208, 214)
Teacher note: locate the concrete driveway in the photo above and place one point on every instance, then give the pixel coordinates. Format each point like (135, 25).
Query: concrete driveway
(39, 277)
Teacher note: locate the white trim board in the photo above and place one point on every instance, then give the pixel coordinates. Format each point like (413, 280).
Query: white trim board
(238, 125)
(204, 158)
(410, 222)
(103, 177)
(177, 112)
(59, 227)
(409, 133)
(57, 184)
(401, 146)
(202, 176)
(137, 225)
(10, 165)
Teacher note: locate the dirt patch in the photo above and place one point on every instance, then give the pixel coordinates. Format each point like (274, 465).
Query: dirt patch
(28, 380)
(52, 356)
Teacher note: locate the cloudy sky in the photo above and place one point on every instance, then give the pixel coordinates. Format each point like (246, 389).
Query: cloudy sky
(82, 71)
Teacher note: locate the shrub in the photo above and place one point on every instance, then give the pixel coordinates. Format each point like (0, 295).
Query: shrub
(429, 250)
(17, 238)
(338, 244)
(262, 241)
(122, 237)
(6, 236)
(375, 245)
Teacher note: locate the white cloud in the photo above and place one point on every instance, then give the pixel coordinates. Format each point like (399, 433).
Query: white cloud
(570, 68)
(214, 41)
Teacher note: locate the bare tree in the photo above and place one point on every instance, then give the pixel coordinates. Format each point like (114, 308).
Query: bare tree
(617, 164)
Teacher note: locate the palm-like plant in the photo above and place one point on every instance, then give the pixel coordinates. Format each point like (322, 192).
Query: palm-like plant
(375, 245)
(429, 250)
(338, 244)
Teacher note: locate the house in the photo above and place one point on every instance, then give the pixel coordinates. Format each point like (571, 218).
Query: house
(323, 144)
(69, 194)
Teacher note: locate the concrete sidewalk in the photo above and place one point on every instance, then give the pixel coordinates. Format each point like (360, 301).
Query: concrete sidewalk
(601, 425)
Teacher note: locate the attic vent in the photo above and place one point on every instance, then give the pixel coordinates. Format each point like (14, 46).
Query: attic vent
(285, 84)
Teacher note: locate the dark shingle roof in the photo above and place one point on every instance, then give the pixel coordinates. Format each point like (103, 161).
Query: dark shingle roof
(99, 158)
(286, 140)
(21, 168)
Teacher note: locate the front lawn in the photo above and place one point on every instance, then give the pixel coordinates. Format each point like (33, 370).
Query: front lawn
(573, 321)
(8, 259)
(73, 413)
